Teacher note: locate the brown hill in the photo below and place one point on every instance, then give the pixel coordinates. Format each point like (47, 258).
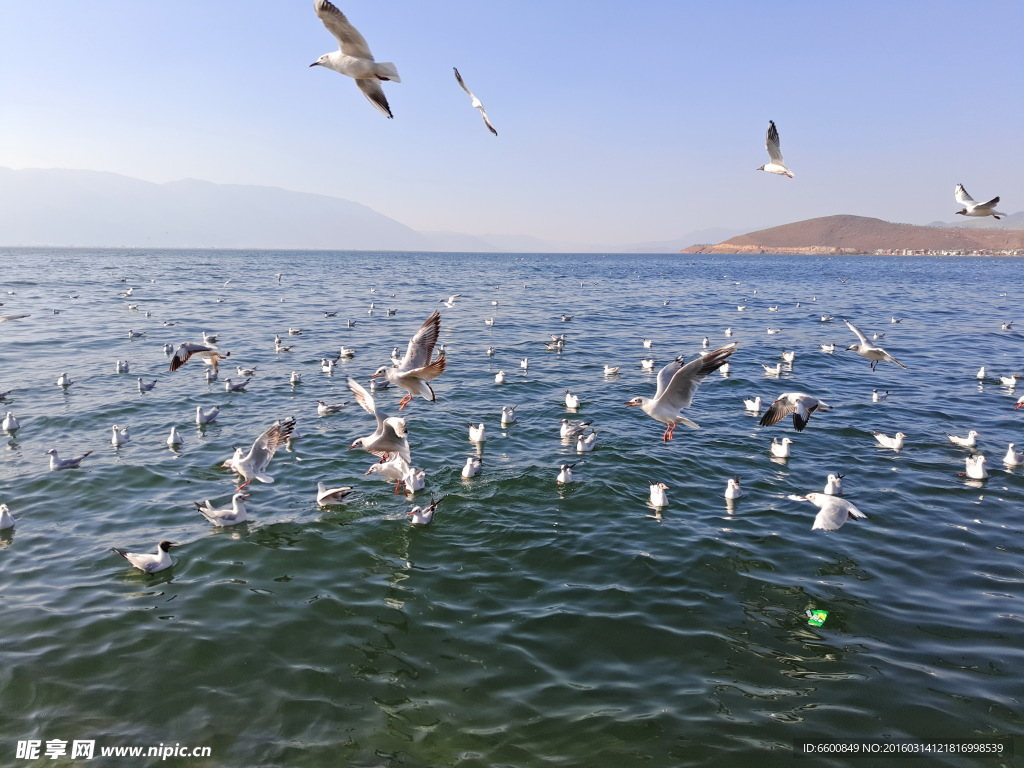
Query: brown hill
(860, 234)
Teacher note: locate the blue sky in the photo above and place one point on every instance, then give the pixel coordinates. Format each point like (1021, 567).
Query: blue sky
(619, 123)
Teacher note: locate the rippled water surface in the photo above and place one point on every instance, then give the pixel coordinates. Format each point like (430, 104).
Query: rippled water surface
(532, 624)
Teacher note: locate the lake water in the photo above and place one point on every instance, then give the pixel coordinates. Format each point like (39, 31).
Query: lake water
(531, 624)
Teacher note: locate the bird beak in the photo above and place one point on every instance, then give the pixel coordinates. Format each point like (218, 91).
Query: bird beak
(630, 403)
(315, 64)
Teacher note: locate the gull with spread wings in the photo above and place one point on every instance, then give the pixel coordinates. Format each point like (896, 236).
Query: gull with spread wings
(390, 436)
(868, 350)
(253, 465)
(677, 384)
(476, 102)
(354, 58)
(415, 369)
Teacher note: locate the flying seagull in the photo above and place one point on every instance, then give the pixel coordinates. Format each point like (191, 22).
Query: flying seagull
(869, 351)
(777, 164)
(677, 384)
(973, 208)
(354, 58)
(476, 102)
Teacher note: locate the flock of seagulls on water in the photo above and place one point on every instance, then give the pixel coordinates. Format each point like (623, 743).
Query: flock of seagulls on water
(415, 373)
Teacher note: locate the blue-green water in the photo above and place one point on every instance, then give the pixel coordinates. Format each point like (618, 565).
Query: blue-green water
(532, 624)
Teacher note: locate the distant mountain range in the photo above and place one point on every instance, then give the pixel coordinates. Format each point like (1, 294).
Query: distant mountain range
(860, 234)
(62, 207)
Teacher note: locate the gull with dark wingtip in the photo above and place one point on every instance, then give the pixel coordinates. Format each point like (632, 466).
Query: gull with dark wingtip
(776, 165)
(353, 57)
(677, 384)
(476, 103)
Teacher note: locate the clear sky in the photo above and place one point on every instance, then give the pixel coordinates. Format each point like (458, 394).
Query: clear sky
(619, 122)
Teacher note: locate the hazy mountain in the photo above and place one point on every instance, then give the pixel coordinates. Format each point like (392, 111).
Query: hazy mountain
(62, 207)
(89, 208)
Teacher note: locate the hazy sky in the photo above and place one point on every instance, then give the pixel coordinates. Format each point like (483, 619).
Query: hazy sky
(619, 122)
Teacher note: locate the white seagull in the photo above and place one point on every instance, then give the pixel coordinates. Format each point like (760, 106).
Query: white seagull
(477, 433)
(732, 488)
(326, 497)
(976, 467)
(476, 102)
(326, 409)
(6, 521)
(800, 404)
(10, 423)
(753, 406)
(1012, 458)
(389, 437)
(585, 443)
(868, 350)
(354, 58)
(780, 448)
(834, 485)
(424, 516)
(472, 467)
(58, 463)
(225, 516)
(508, 414)
(973, 208)
(833, 511)
(415, 369)
(64, 381)
(174, 438)
(145, 386)
(565, 473)
(572, 402)
(658, 497)
(206, 417)
(895, 442)
(569, 430)
(776, 165)
(149, 563)
(677, 384)
(119, 436)
(253, 465)
(965, 442)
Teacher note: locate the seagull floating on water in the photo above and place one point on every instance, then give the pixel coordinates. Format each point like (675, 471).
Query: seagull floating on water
(780, 448)
(732, 488)
(776, 164)
(472, 467)
(58, 463)
(207, 416)
(6, 520)
(975, 467)
(572, 402)
(878, 397)
(895, 442)
(965, 442)
(174, 438)
(149, 563)
(326, 497)
(119, 436)
(10, 423)
(677, 384)
(565, 473)
(834, 485)
(325, 409)
(753, 406)
(585, 443)
(1012, 457)
(146, 386)
(225, 516)
(354, 58)
(64, 381)
(658, 497)
(424, 516)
